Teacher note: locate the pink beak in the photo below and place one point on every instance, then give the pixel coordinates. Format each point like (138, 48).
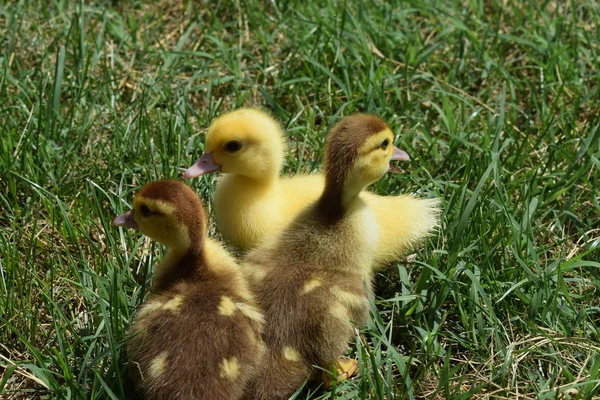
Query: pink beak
(126, 220)
(398, 155)
(204, 165)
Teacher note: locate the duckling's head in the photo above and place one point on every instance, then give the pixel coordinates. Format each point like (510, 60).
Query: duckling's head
(169, 212)
(247, 142)
(358, 153)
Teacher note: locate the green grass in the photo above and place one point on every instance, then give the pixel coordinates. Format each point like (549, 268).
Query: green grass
(497, 103)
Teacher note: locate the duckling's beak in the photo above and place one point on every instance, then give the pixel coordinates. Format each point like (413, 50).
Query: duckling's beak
(398, 155)
(126, 220)
(204, 165)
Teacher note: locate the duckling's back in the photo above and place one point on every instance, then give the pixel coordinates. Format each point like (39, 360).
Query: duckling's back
(313, 286)
(198, 340)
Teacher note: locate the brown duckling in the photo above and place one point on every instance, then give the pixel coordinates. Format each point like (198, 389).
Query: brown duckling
(313, 281)
(197, 335)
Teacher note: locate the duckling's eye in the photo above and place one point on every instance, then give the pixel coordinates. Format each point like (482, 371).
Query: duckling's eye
(384, 144)
(233, 146)
(145, 210)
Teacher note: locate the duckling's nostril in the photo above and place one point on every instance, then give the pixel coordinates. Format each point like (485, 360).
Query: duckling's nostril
(204, 165)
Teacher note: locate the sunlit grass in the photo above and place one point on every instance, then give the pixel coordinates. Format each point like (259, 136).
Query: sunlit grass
(497, 104)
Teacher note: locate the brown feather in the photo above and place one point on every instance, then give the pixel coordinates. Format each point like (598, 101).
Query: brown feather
(197, 335)
(342, 150)
(189, 208)
(317, 274)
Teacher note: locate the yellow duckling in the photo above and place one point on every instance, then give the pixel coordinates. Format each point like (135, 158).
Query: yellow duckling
(313, 280)
(253, 203)
(197, 336)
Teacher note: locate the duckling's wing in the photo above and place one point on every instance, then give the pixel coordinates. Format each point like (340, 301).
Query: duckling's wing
(403, 222)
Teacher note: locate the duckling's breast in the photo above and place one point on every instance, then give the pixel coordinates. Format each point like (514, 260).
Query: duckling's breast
(244, 211)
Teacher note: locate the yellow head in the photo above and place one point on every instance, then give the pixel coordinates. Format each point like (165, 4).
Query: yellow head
(247, 142)
(169, 212)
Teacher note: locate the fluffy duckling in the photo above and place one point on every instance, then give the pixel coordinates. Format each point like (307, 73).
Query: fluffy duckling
(197, 336)
(313, 280)
(253, 203)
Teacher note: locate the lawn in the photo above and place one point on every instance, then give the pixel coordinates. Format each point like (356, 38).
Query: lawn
(497, 103)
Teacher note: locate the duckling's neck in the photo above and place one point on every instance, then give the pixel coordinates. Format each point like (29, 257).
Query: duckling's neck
(177, 266)
(334, 202)
(265, 171)
(350, 193)
(266, 181)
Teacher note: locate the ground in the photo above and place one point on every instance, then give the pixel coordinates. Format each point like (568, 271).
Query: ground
(497, 103)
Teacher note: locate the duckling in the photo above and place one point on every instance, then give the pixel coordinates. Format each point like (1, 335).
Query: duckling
(253, 203)
(314, 279)
(197, 335)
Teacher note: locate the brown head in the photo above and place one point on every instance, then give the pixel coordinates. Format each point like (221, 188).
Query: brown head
(358, 153)
(169, 212)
